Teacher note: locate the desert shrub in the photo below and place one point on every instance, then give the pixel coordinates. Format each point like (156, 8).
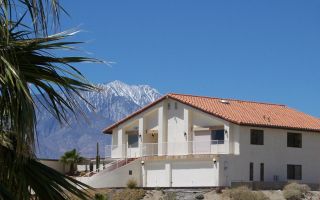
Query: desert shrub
(129, 194)
(219, 190)
(295, 191)
(260, 196)
(99, 196)
(169, 196)
(243, 193)
(296, 186)
(132, 183)
(199, 196)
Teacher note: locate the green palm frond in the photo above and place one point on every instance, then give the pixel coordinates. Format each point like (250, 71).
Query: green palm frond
(27, 63)
(38, 180)
(42, 13)
(30, 71)
(4, 193)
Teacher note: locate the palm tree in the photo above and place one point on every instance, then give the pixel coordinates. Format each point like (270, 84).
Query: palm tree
(71, 158)
(29, 66)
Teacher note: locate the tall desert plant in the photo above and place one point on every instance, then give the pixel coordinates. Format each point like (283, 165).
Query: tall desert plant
(29, 66)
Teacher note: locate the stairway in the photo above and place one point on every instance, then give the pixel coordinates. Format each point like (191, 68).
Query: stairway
(115, 165)
(114, 174)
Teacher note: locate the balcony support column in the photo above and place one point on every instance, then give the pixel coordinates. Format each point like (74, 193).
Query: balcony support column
(143, 176)
(187, 118)
(141, 135)
(121, 143)
(227, 138)
(162, 130)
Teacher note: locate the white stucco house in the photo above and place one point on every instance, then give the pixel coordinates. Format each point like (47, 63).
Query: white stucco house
(195, 141)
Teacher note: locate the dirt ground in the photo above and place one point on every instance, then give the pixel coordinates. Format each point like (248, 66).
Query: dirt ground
(189, 194)
(212, 195)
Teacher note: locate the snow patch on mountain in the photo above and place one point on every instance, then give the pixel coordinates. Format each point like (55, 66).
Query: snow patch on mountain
(115, 101)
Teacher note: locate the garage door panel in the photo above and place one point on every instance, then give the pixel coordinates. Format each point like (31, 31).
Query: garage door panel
(156, 175)
(201, 173)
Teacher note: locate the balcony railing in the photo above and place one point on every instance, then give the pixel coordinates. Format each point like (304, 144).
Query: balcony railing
(168, 148)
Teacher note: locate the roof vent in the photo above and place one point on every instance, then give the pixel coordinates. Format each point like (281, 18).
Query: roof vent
(224, 101)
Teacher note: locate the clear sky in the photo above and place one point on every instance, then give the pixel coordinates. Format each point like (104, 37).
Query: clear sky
(261, 50)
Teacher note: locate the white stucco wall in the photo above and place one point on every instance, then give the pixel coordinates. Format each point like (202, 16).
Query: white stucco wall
(275, 155)
(151, 120)
(176, 138)
(116, 178)
(55, 164)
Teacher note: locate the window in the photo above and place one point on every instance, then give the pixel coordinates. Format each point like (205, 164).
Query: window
(294, 172)
(133, 140)
(256, 137)
(251, 172)
(294, 140)
(169, 106)
(217, 136)
(130, 172)
(175, 105)
(261, 171)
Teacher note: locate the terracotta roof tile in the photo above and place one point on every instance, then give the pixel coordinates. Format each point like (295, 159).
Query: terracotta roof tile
(244, 112)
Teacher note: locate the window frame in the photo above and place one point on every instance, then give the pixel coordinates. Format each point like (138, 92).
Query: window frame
(254, 137)
(214, 131)
(294, 142)
(296, 173)
(134, 145)
(261, 172)
(251, 171)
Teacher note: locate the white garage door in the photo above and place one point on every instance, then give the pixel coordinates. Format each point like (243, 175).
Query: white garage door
(156, 175)
(199, 173)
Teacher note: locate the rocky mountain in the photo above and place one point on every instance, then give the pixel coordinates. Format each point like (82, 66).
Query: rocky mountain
(115, 101)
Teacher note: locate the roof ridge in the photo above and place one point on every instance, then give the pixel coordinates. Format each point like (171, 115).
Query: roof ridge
(230, 99)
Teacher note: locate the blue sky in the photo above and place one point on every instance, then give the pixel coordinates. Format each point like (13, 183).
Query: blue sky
(253, 50)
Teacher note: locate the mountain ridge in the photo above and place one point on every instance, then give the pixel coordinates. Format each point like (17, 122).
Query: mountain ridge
(115, 101)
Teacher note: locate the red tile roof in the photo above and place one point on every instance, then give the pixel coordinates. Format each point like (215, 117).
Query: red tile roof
(240, 112)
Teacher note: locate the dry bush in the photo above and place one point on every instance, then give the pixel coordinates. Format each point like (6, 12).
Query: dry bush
(243, 193)
(132, 183)
(295, 191)
(129, 194)
(99, 196)
(219, 190)
(199, 196)
(169, 196)
(260, 195)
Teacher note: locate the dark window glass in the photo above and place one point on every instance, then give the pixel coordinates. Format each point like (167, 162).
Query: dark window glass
(256, 137)
(130, 172)
(294, 172)
(217, 136)
(294, 140)
(261, 171)
(133, 140)
(251, 172)
(91, 167)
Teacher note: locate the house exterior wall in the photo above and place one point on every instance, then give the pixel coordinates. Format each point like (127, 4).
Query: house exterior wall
(176, 137)
(274, 154)
(175, 126)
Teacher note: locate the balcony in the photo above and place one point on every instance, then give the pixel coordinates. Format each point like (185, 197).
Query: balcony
(168, 149)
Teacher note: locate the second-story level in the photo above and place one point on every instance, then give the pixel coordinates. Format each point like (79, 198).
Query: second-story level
(188, 125)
